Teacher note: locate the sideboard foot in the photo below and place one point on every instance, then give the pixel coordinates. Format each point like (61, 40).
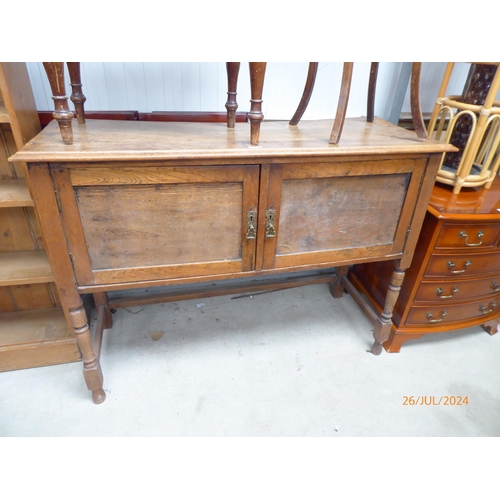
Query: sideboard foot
(98, 396)
(376, 348)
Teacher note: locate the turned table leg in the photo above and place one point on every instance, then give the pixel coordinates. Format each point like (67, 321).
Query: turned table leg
(383, 325)
(76, 95)
(232, 69)
(91, 367)
(257, 73)
(62, 113)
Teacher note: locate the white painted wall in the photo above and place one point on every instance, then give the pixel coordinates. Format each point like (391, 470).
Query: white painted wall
(193, 86)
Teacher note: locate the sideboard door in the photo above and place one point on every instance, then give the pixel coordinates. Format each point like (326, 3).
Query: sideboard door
(130, 223)
(338, 211)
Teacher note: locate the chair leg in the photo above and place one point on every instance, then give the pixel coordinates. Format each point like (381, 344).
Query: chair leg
(372, 85)
(257, 73)
(306, 95)
(416, 111)
(62, 113)
(77, 96)
(232, 69)
(345, 90)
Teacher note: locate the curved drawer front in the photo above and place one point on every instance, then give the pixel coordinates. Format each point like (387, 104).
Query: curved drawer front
(448, 313)
(457, 290)
(474, 236)
(463, 265)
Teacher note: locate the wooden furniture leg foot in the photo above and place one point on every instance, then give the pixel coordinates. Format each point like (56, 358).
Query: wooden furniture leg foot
(98, 396)
(62, 113)
(376, 348)
(77, 96)
(257, 73)
(491, 326)
(383, 325)
(345, 90)
(91, 367)
(306, 95)
(395, 341)
(232, 69)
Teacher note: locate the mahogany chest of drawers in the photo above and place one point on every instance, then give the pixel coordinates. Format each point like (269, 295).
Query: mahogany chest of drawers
(454, 279)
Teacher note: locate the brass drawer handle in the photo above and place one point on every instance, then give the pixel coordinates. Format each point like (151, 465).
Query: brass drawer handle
(439, 292)
(480, 235)
(495, 286)
(270, 229)
(429, 316)
(451, 265)
(251, 225)
(492, 306)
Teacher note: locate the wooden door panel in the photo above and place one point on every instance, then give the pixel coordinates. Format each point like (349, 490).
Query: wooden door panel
(153, 225)
(335, 212)
(157, 223)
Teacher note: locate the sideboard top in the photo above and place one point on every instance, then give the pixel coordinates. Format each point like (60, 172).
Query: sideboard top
(114, 140)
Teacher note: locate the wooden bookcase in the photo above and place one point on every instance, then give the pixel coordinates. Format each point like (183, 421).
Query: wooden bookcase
(33, 329)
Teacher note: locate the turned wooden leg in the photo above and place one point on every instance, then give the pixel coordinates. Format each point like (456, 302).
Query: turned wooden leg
(232, 69)
(383, 325)
(62, 113)
(372, 85)
(345, 90)
(76, 95)
(416, 111)
(257, 73)
(337, 287)
(101, 299)
(91, 367)
(306, 95)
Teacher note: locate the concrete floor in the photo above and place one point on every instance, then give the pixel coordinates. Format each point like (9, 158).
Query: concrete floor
(286, 363)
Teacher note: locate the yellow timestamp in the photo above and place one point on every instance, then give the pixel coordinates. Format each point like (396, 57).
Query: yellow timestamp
(435, 400)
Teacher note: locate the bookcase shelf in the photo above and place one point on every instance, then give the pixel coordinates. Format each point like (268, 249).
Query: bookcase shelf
(33, 328)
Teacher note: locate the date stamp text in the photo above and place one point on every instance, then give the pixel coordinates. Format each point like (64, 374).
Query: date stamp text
(435, 400)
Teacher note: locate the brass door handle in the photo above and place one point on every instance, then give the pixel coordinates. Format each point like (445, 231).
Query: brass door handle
(430, 320)
(495, 286)
(439, 292)
(492, 306)
(451, 265)
(480, 235)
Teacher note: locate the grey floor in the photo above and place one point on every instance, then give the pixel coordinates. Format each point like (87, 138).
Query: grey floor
(287, 363)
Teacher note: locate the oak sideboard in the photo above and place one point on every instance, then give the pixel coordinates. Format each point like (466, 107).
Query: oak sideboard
(131, 205)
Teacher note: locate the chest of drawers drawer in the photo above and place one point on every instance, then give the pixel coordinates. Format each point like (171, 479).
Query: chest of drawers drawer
(462, 265)
(457, 290)
(449, 313)
(474, 236)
